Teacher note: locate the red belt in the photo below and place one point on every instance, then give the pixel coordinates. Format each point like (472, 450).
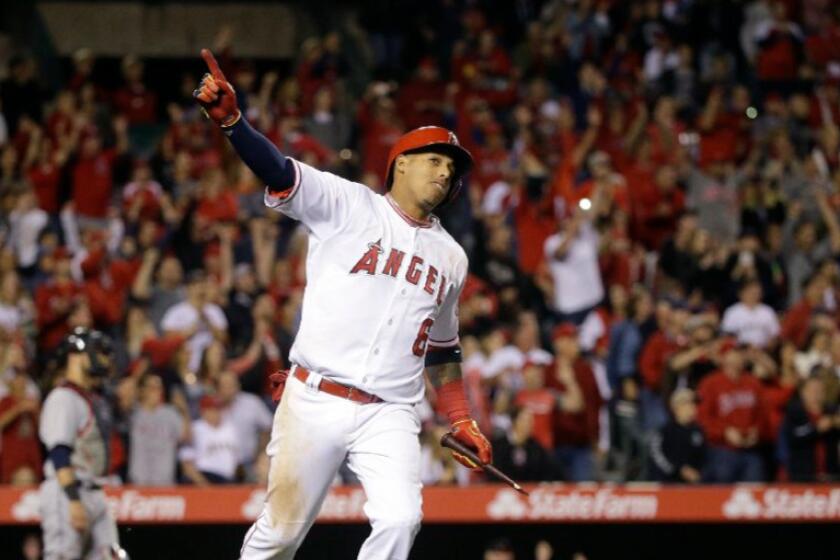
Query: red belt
(339, 390)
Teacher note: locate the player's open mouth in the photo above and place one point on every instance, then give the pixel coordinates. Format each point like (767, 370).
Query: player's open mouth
(441, 186)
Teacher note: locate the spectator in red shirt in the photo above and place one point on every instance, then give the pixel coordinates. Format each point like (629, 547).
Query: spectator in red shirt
(420, 100)
(21, 449)
(492, 158)
(780, 47)
(724, 126)
(478, 303)
(60, 122)
(778, 385)
(539, 401)
(490, 57)
(134, 99)
(732, 414)
(108, 278)
(611, 184)
(796, 324)
(293, 139)
(55, 301)
(826, 109)
(84, 62)
(664, 132)
(533, 219)
(578, 402)
(44, 164)
(142, 196)
(622, 260)
(380, 129)
(656, 353)
(217, 203)
(658, 208)
(478, 79)
(92, 178)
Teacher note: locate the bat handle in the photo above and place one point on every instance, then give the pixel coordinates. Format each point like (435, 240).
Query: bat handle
(449, 441)
(492, 469)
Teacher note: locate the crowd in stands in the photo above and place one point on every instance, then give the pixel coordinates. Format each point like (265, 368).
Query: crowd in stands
(653, 229)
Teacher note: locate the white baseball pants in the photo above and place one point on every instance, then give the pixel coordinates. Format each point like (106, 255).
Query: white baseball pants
(313, 433)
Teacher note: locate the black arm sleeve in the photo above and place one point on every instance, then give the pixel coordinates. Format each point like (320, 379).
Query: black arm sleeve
(265, 160)
(436, 356)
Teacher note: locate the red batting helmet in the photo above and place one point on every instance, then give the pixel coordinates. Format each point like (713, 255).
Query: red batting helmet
(432, 139)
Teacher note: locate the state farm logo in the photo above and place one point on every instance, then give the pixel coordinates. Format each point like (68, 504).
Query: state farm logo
(131, 505)
(552, 503)
(783, 503)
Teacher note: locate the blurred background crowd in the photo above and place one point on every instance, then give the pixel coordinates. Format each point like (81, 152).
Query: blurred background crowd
(652, 225)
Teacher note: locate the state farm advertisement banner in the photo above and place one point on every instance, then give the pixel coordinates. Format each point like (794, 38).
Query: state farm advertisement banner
(547, 503)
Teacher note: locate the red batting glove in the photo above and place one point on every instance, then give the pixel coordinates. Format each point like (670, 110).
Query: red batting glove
(466, 431)
(453, 402)
(278, 384)
(216, 95)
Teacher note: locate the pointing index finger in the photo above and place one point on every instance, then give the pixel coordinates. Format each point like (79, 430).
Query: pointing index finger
(213, 65)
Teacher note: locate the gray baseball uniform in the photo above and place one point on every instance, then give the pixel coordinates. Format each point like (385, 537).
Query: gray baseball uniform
(71, 416)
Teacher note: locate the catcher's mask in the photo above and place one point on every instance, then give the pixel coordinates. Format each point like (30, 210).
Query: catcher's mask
(95, 344)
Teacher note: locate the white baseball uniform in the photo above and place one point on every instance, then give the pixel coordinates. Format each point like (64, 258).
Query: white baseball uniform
(381, 288)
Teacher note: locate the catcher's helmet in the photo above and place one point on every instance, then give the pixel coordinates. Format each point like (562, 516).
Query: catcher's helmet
(92, 342)
(432, 139)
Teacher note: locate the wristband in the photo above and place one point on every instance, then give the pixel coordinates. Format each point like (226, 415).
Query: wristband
(72, 491)
(235, 120)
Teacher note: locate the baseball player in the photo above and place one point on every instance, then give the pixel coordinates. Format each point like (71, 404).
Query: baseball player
(74, 514)
(383, 279)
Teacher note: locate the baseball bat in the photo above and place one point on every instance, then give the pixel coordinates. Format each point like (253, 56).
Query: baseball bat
(448, 440)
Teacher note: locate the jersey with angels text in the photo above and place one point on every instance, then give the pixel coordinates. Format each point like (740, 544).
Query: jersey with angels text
(381, 287)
